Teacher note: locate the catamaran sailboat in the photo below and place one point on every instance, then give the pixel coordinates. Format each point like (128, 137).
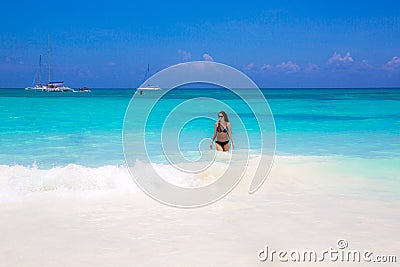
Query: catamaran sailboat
(50, 86)
(148, 87)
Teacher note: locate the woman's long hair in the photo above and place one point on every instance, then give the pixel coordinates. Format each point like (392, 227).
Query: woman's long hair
(225, 115)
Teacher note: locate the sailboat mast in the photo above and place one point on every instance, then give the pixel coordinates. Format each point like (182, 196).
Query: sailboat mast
(40, 68)
(48, 54)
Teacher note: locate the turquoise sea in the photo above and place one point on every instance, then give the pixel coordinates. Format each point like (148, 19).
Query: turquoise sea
(73, 141)
(52, 129)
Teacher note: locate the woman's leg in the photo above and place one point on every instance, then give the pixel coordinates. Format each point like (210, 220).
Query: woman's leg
(218, 147)
(227, 147)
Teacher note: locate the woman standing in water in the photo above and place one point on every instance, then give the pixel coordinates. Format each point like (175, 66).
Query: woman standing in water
(223, 132)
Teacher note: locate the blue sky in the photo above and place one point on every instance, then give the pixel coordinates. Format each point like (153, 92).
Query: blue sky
(277, 43)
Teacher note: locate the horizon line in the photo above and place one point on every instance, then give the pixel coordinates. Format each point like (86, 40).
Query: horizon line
(132, 88)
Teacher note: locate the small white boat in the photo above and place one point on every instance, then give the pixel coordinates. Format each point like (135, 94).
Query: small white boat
(84, 90)
(148, 87)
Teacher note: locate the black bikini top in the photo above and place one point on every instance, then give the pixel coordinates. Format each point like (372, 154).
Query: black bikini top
(219, 128)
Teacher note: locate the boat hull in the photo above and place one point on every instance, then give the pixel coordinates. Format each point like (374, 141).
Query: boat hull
(51, 89)
(149, 88)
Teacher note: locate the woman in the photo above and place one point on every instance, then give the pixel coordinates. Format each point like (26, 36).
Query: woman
(223, 132)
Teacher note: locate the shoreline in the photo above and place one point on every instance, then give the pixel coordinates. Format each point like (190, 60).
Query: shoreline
(20, 183)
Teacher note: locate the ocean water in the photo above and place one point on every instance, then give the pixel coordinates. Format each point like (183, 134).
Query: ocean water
(86, 128)
(55, 135)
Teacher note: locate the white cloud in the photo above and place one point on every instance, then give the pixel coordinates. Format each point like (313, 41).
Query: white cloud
(266, 67)
(362, 65)
(338, 59)
(249, 66)
(285, 67)
(288, 67)
(365, 64)
(392, 64)
(207, 57)
(185, 55)
(348, 64)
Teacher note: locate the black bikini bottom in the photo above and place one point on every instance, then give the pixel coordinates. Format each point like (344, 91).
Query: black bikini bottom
(222, 144)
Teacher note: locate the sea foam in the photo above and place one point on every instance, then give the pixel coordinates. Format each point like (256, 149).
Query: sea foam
(18, 182)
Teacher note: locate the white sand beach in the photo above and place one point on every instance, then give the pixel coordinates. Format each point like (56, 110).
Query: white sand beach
(306, 203)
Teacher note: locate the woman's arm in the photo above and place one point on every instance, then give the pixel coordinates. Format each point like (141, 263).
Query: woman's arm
(215, 135)
(228, 125)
